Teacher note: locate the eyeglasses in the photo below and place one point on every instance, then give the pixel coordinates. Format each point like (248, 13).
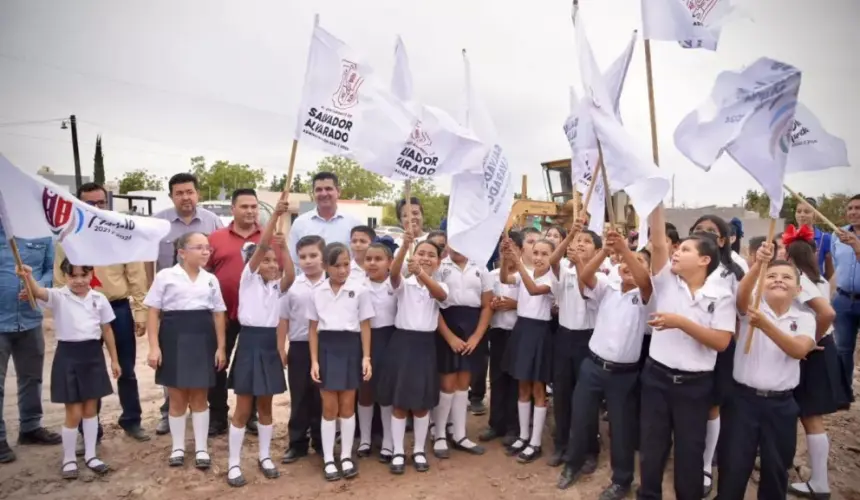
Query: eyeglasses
(98, 203)
(199, 248)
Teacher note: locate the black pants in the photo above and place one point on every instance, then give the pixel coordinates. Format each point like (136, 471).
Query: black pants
(619, 389)
(570, 348)
(673, 404)
(478, 384)
(752, 423)
(503, 388)
(305, 400)
(218, 407)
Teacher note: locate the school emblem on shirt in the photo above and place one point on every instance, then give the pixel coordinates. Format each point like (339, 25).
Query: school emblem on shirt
(635, 300)
(477, 273)
(725, 273)
(445, 273)
(712, 307)
(351, 294)
(793, 326)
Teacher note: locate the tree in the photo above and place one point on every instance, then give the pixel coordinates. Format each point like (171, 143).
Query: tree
(139, 180)
(355, 182)
(98, 163)
(224, 175)
(299, 185)
(277, 183)
(833, 207)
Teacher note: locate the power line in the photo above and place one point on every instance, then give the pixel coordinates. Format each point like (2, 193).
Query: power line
(32, 122)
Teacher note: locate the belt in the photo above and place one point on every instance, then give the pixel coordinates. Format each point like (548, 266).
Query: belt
(852, 296)
(611, 366)
(678, 376)
(765, 394)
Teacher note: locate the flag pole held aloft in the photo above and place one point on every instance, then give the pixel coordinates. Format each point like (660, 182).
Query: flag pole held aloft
(771, 231)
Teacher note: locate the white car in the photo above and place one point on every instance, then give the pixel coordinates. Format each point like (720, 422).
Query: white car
(223, 210)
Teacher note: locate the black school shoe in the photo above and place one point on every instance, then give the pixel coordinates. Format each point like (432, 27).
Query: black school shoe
(293, 455)
(615, 492)
(556, 459)
(568, 477)
(40, 436)
(6, 453)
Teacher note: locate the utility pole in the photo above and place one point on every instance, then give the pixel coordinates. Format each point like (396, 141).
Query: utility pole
(74, 124)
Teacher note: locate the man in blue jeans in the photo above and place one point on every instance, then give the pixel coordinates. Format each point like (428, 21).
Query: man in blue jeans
(21, 339)
(846, 300)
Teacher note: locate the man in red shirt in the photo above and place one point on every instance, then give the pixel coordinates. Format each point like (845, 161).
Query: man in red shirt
(226, 261)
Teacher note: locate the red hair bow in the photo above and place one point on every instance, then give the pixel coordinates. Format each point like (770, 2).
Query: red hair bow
(95, 283)
(792, 234)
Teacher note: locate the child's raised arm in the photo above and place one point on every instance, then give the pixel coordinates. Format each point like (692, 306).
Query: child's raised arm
(396, 272)
(268, 232)
(659, 246)
(26, 273)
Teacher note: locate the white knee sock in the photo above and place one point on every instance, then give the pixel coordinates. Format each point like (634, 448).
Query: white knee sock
(177, 432)
(264, 440)
(442, 411)
(365, 423)
(819, 449)
(525, 412)
(458, 413)
(200, 424)
(398, 434)
(711, 439)
(70, 440)
(385, 416)
(419, 429)
(347, 436)
(328, 428)
(537, 428)
(91, 431)
(237, 437)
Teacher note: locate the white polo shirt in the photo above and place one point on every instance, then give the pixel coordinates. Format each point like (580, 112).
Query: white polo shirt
(575, 312)
(465, 285)
(767, 367)
(810, 291)
(535, 306)
(356, 272)
(384, 303)
(620, 323)
(294, 307)
(503, 319)
(343, 310)
(258, 300)
(417, 310)
(173, 290)
(713, 306)
(77, 319)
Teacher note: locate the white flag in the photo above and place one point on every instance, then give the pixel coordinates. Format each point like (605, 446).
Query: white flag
(812, 147)
(438, 145)
(583, 141)
(750, 115)
(695, 24)
(625, 168)
(345, 110)
(480, 203)
(34, 207)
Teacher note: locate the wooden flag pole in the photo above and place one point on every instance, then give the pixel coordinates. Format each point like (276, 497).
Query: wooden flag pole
(815, 211)
(283, 221)
(610, 206)
(651, 106)
(593, 183)
(762, 273)
(31, 296)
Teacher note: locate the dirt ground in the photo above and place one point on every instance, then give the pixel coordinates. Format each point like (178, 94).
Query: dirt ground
(140, 469)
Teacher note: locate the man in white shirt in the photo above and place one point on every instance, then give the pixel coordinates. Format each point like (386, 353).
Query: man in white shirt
(324, 220)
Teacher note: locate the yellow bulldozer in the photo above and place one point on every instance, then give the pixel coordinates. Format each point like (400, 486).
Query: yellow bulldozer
(559, 210)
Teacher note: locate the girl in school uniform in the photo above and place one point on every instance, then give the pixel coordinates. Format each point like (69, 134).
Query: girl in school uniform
(186, 325)
(377, 262)
(805, 216)
(528, 358)
(82, 318)
(339, 334)
(696, 320)
(763, 413)
(570, 342)
(459, 345)
(611, 368)
(728, 275)
(306, 405)
(409, 381)
(360, 238)
(556, 234)
(820, 391)
(257, 370)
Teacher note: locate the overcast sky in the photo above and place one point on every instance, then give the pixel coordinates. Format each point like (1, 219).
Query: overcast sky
(165, 80)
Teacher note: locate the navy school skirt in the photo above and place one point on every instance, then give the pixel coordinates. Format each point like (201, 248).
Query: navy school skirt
(528, 356)
(821, 391)
(188, 344)
(339, 356)
(724, 380)
(462, 321)
(79, 372)
(379, 339)
(257, 369)
(409, 378)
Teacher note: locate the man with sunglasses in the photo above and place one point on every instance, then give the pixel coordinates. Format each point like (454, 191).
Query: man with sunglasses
(119, 283)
